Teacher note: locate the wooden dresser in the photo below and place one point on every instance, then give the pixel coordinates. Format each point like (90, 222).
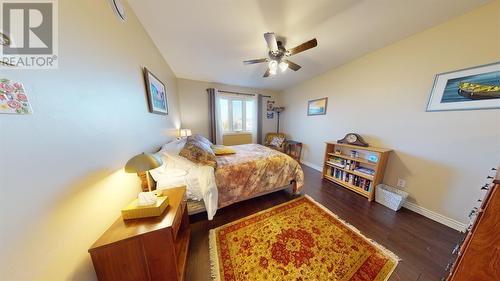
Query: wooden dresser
(146, 249)
(479, 255)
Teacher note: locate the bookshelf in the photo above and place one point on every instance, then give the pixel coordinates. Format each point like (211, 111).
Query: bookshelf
(348, 166)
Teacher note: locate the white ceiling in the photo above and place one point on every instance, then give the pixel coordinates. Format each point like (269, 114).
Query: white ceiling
(208, 39)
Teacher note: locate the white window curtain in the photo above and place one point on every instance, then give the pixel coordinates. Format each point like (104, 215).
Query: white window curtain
(255, 123)
(219, 132)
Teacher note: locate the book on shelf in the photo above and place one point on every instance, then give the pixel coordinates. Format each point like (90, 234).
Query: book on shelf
(364, 170)
(350, 178)
(343, 163)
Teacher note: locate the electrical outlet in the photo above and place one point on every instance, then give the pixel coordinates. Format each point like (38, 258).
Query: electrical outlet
(401, 183)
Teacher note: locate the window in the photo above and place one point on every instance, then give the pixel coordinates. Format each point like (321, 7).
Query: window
(236, 114)
(224, 114)
(249, 115)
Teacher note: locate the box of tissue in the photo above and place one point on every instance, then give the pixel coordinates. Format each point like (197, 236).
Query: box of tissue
(135, 211)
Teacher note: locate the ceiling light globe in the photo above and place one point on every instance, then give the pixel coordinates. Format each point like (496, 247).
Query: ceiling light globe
(273, 66)
(283, 66)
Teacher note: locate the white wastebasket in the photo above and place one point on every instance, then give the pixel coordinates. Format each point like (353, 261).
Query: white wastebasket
(390, 197)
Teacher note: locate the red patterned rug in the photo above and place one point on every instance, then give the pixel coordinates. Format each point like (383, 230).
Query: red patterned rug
(299, 240)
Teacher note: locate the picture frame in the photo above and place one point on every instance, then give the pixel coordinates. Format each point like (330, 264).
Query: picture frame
(14, 98)
(317, 107)
(466, 89)
(269, 107)
(156, 93)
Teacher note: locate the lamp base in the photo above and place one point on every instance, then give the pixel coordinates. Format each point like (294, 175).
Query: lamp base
(147, 182)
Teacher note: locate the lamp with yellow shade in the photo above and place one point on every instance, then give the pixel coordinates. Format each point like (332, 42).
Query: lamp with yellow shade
(147, 204)
(143, 163)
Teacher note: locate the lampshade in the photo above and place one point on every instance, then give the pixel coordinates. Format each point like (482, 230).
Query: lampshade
(142, 163)
(185, 133)
(279, 109)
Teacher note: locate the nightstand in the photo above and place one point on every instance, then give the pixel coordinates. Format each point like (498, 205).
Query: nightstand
(149, 249)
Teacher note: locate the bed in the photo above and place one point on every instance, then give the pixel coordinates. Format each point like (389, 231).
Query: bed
(253, 170)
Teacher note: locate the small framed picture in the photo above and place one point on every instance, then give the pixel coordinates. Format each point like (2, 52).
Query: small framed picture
(157, 94)
(317, 107)
(466, 89)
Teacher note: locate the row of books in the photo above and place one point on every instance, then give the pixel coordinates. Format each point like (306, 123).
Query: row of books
(350, 165)
(343, 163)
(350, 178)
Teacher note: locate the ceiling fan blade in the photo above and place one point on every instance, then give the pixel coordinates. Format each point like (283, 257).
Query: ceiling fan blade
(4, 40)
(255, 61)
(293, 66)
(271, 41)
(6, 63)
(268, 72)
(303, 47)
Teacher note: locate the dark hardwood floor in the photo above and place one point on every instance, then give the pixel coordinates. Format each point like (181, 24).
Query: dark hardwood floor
(423, 245)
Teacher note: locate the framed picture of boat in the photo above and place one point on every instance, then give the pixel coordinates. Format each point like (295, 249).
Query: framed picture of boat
(317, 107)
(466, 89)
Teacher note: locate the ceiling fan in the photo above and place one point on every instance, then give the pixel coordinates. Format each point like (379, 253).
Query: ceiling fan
(278, 54)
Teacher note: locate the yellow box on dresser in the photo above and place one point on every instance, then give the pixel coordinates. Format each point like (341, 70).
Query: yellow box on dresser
(133, 211)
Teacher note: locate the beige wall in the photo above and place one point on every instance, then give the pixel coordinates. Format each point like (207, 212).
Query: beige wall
(193, 100)
(443, 156)
(61, 169)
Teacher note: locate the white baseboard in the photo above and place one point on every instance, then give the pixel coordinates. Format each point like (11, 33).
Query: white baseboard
(414, 207)
(311, 165)
(435, 216)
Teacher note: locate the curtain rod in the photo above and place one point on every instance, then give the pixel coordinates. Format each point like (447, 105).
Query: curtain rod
(245, 94)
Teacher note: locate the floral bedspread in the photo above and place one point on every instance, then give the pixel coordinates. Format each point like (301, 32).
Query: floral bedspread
(254, 169)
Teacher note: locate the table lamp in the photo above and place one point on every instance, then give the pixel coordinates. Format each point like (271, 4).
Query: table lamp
(143, 163)
(184, 133)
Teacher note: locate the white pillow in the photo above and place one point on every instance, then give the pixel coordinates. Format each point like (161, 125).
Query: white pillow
(174, 147)
(170, 162)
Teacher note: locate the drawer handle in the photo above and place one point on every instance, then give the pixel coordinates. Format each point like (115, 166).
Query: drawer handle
(448, 266)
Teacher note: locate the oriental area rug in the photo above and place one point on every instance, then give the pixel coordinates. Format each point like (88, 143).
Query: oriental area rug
(299, 240)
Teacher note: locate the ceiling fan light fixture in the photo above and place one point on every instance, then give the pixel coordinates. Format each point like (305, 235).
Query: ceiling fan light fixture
(273, 65)
(278, 54)
(4, 40)
(283, 66)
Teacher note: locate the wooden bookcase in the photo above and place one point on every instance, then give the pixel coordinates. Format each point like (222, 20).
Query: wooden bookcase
(370, 181)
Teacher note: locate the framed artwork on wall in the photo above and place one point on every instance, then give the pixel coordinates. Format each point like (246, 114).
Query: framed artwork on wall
(466, 89)
(157, 94)
(317, 107)
(269, 107)
(13, 98)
